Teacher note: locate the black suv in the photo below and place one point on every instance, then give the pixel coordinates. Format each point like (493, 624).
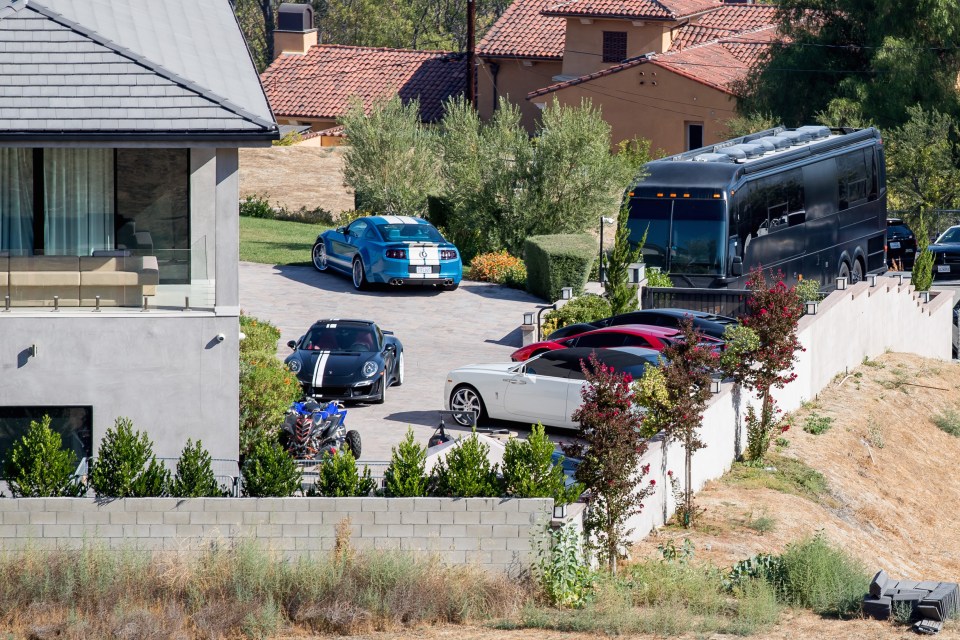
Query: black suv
(901, 244)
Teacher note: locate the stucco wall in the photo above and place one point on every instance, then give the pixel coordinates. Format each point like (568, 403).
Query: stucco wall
(164, 370)
(657, 112)
(862, 321)
(584, 42)
(514, 81)
(496, 534)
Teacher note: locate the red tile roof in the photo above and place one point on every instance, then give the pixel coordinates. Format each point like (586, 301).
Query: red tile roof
(726, 21)
(718, 63)
(333, 132)
(522, 32)
(631, 9)
(321, 82)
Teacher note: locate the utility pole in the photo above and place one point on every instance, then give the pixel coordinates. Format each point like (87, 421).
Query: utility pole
(471, 65)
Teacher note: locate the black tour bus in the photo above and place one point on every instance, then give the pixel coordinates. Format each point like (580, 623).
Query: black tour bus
(810, 202)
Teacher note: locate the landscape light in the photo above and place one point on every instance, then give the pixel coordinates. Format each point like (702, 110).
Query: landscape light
(841, 283)
(528, 317)
(811, 307)
(566, 293)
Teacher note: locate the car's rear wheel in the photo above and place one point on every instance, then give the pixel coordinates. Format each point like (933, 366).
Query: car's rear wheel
(399, 379)
(320, 256)
(466, 401)
(359, 275)
(856, 274)
(352, 442)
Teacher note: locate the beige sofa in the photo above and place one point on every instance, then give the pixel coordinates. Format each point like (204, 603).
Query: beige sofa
(120, 281)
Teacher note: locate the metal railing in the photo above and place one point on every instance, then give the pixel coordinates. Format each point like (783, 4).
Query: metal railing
(724, 302)
(311, 472)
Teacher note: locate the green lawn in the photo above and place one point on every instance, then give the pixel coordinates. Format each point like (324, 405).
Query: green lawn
(277, 242)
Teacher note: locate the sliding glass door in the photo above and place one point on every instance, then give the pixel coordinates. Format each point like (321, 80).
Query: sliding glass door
(16, 202)
(78, 197)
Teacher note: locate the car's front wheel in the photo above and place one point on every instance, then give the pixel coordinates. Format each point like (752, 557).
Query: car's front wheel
(383, 390)
(359, 275)
(320, 256)
(468, 404)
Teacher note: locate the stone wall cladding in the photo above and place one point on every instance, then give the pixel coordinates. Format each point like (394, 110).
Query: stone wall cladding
(497, 534)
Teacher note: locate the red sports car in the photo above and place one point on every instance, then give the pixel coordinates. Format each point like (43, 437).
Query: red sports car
(626, 335)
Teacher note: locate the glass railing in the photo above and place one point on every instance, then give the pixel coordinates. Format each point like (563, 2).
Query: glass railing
(163, 279)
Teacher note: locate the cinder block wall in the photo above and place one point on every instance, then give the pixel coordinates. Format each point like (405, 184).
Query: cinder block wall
(497, 534)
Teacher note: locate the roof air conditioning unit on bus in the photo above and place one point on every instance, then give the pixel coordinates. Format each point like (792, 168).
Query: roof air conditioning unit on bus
(797, 137)
(712, 157)
(817, 132)
(776, 142)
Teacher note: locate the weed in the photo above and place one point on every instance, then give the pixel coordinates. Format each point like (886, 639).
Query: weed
(948, 422)
(817, 424)
(781, 443)
(785, 474)
(763, 524)
(823, 578)
(872, 363)
(670, 552)
(875, 437)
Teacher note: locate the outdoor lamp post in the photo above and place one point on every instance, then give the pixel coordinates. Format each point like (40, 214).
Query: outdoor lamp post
(636, 270)
(566, 293)
(603, 270)
(540, 311)
(811, 307)
(841, 283)
(528, 317)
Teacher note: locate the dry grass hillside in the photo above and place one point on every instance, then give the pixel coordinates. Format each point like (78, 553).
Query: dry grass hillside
(296, 176)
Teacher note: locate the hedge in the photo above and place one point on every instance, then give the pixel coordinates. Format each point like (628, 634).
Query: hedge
(557, 261)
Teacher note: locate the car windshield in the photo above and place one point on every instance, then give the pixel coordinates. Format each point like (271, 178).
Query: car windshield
(409, 233)
(951, 235)
(683, 236)
(340, 337)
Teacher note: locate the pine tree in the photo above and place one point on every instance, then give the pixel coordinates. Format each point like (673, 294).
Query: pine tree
(194, 477)
(622, 294)
(406, 476)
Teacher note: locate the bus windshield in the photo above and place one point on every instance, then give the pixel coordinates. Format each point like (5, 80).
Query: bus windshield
(683, 236)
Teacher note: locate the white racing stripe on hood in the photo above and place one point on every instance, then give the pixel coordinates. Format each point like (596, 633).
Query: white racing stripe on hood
(319, 368)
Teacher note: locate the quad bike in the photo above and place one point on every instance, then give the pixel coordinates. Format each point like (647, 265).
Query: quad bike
(310, 430)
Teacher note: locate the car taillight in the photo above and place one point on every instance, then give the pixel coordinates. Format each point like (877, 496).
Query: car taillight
(448, 254)
(397, 253)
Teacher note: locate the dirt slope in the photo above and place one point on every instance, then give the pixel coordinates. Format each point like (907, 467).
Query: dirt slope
(296, 176)
(892, 475)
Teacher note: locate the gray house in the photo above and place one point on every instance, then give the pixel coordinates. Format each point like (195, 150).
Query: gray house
(120, 123)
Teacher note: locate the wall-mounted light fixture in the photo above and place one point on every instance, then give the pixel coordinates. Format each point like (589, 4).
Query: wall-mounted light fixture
(34, 350)
(841, 283)
(812, 307)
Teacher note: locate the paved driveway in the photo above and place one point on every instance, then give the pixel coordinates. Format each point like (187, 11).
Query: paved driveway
(440, 330)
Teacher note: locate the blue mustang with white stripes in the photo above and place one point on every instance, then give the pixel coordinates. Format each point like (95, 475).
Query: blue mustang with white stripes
(393, 250)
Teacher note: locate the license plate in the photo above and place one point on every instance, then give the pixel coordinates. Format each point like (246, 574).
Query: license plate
(943, 268)
(424, 270)
(894, 245)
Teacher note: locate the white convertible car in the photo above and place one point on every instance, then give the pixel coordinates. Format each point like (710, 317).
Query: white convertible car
(546, 388)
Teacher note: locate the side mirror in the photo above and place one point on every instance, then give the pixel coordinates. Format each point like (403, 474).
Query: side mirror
(341, 229)
(736, 267)
(292, 344)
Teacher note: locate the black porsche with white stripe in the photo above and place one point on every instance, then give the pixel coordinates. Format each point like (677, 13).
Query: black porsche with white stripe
(347, 360)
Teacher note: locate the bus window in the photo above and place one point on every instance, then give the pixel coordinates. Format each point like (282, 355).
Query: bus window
(851, 179)
(870, 160)
(653, 218)
(683, 236)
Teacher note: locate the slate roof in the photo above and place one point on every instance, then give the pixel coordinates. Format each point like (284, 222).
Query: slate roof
(126, 69)
(321, 82)
(631, 9)
(522, 32)
(716, 63)
(725, 21)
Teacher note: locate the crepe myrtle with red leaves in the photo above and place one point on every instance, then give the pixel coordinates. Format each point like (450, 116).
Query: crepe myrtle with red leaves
(773, 312)
(687, 377)
(610, 447)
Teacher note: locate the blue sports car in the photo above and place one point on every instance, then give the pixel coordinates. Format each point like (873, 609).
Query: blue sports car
(393, 250)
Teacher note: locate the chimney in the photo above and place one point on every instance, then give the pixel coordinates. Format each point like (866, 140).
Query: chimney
(294, 32)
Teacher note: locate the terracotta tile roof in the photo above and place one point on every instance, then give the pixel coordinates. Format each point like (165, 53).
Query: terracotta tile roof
(638, 9)
(332, 132)
(522, 32)
(321, 82)
(718, 63)
(726, 21)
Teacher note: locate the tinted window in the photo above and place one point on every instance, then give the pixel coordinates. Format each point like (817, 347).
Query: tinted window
(636, 341)
(340, 337)
(950, 235)
(409, 233)
(852, 179)
(899, 230)
(357, 228)
(545, 366)
(772, 204)
(74, 424)
(601, 340)
(614, 46)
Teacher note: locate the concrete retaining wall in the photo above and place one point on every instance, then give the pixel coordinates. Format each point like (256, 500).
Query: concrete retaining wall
(859, 322)
(496, 534)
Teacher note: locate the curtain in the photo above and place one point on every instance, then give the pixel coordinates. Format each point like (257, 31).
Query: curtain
(16, 201)
(78, 201)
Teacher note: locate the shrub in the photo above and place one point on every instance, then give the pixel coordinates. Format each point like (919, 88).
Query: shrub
(530, 472)
(922, 275)
(466, 472)
(126, 467)
(657, 278)
(269, 471)
(817, 424)
(564, 577)
(339, 477)
(346, 217)
(194, 477)
(622, 294)
(267, 387)
(823, 578)
(256, 206)
(39, 466)
(289, 139)
(558, 261)
(808, 290)
(585, 308)
(948, 422)
(406, 476)
(499, 267)
(317, 215)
